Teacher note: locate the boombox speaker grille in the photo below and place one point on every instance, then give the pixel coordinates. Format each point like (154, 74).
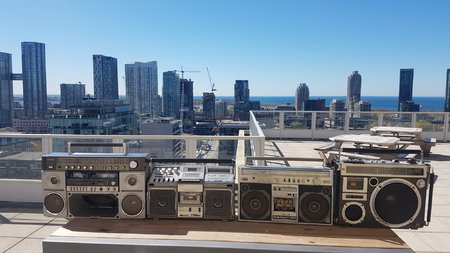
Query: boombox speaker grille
(54, 203)
(256, 201)
(162, 203)
(132, 205)
(218, 204)
(395, 202)
(315, 204)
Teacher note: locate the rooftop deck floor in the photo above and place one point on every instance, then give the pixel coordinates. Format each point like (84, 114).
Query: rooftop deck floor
(23, 227)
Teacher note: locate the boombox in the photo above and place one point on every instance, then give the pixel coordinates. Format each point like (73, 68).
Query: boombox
(95, 185)
(191, 192)
(383, 194)
(286, 195)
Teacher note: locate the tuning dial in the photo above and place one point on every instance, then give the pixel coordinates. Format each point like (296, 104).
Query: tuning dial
(54, 180)
(133, 164)
(132, 181)
(316, 181)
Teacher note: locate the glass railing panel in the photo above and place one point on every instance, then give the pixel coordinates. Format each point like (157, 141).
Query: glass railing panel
(216, 149)
(20, 158)
(430, 122)
(297, 120)
(363, 120)
(397, 119)
(174, 148)
(268, 120)
(61, 145)
(330, 120)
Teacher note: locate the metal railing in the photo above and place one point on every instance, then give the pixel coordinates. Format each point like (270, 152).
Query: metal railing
(325, 124)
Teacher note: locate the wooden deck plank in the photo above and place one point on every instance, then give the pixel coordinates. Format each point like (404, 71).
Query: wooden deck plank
(233, 231)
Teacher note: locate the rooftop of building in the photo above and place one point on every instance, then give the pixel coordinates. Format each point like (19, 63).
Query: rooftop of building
(23, 226)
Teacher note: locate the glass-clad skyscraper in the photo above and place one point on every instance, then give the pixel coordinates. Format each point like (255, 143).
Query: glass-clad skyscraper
(34, 79)
(209, 105)
(72, 94)
(301, 95)
(241, 91)
(141, 80)
(406, 86)
(447, 93)
(171, 94)
(6, 90)
(106, 85)
(353, 90)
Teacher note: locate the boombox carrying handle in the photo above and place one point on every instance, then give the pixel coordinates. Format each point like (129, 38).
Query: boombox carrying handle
(433, 179)
(96, 144)
(191, 160)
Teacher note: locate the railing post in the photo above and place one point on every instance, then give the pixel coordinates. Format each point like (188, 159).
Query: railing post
(260, 150)
(313, 124)
(47, 144)
(446, 118)
(413, 119)
(347, 122)
(281, 124)
(117, 140)
(191, 147)
(380, 118)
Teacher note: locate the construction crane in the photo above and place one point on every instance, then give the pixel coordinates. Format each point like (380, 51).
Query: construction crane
(210, 82)
(188, 71)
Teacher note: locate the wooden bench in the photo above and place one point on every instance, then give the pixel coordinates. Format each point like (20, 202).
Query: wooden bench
(113, 236)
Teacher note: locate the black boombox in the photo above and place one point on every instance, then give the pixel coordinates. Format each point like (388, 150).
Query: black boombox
(360, 193)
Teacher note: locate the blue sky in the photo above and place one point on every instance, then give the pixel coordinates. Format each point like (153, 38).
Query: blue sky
(274, 44)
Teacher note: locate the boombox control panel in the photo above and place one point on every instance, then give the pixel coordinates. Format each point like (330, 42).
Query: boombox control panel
(286, 176)
(61, 161)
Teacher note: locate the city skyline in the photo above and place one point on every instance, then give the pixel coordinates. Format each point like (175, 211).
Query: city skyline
(276, 44)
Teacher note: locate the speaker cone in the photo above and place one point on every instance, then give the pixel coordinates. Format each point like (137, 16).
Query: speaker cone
(54, 203)
(395, 203)
(256, 205)
(314, 207)
(132, 205)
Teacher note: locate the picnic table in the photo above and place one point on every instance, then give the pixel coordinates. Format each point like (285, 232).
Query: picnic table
(410, 134)
(361, 142)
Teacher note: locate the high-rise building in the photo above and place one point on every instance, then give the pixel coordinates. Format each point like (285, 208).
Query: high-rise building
(187, 99)
(72, 94)
(171, 94)
(315, 104)
(106, 84)
(34, 79)
(141, 81)
(337, 105)
(241, 91)
(96, 117)
(353, 90)
(447, 93)
(301, 94)
(221, 109)
(241, 100)
(406, 86)
(6, 91)
(209, 105)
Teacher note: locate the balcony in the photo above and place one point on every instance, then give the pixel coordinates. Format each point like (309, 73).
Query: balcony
(272, 133)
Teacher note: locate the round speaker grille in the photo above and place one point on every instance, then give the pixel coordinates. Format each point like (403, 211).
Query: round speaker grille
(314, 207)
(353, 212)
(256, 205)
(395, 203)
(132, 205)
(54, 203)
